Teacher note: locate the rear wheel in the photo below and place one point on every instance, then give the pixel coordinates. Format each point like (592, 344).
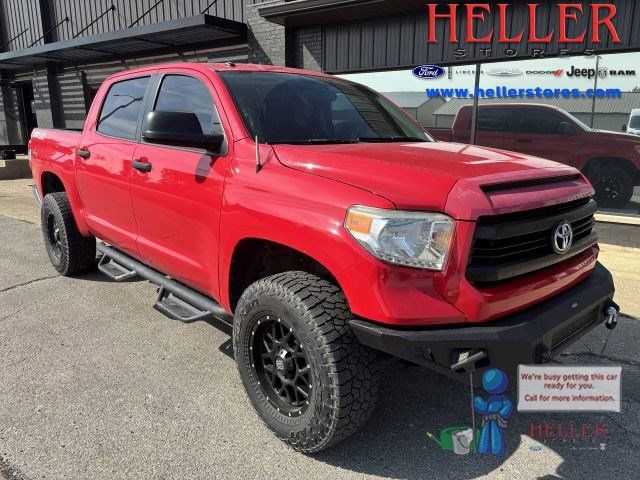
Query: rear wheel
(613, 186)
(69, 251)
(307, 376)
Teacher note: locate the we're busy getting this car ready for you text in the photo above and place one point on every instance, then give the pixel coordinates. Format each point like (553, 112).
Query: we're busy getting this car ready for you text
(326, 226)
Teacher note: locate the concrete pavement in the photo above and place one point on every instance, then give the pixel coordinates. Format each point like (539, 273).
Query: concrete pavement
(624, 264)
(95, 384)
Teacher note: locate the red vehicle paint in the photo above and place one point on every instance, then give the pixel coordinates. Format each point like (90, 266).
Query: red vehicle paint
(189, 215)
(610, 160)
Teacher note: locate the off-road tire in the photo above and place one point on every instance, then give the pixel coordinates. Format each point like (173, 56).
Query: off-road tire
(345, 373)
(70, 252)
(613, 186)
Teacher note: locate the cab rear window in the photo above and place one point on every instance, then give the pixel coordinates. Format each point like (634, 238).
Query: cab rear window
(121, 108)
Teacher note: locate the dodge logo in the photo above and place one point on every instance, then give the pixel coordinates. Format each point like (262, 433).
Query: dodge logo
(562, 238)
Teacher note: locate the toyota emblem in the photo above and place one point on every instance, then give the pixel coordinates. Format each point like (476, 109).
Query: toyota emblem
(562, 238)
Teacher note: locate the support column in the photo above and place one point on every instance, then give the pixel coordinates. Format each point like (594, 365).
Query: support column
(266, 39)
(307, 48)
(47, 98)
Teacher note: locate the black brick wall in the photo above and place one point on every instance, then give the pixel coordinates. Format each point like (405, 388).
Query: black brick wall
(307, 48)
(267, 40)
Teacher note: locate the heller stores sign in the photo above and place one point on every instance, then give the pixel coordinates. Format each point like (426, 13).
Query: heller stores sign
(551, 26)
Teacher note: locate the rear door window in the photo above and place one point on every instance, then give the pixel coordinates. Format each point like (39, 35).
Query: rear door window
(121, 109)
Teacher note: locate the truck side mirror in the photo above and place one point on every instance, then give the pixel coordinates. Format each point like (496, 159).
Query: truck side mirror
(180, 129)
(565, 129)
(624, 127)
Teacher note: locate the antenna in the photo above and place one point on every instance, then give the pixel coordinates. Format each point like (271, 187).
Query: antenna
(258, 159)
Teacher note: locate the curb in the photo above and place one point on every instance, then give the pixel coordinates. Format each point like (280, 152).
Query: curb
(619, 219)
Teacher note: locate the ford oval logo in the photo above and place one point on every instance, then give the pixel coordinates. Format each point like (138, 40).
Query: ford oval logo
(428, 71)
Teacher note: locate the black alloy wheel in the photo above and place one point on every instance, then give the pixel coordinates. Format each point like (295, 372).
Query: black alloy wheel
(53, 235)
(281, 365)
(306, 374)
(70, 252)
(613, 186)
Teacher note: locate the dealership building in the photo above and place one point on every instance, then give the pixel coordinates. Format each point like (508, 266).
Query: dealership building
(55, 53)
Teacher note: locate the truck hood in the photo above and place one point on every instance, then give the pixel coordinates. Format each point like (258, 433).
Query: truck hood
(423, 176)
(608, 135)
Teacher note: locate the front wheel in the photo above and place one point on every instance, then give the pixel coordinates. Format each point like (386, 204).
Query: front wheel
(613, 186)
(308, 377)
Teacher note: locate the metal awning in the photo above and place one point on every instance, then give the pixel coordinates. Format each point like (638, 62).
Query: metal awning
(311, 12)
(173, 34)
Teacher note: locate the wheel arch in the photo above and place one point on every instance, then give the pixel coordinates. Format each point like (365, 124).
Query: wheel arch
(596, 163)
(254, 258)
(51, 183)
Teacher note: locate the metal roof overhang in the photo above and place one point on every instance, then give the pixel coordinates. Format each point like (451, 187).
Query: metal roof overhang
(173, 34)
(310, 12)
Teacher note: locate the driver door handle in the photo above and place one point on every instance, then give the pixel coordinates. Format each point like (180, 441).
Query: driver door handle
(83, 153)
(141, 166)
(524, 140)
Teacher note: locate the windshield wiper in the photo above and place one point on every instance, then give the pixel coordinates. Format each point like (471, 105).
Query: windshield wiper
(391, 139)
(314, 141)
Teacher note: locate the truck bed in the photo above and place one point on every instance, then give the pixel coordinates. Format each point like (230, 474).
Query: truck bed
(52, 150)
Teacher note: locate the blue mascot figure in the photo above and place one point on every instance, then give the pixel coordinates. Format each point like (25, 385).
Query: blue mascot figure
(495, 411)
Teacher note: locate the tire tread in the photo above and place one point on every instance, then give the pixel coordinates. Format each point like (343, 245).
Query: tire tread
(352, 369)
(79, 252)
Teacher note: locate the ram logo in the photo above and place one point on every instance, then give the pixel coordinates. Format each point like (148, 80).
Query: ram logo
(428, 71)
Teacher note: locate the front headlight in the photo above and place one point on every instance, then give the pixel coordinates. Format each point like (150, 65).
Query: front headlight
(412, 239)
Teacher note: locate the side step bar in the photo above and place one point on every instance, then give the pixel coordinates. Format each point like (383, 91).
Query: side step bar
(114, 270)
(174, 299)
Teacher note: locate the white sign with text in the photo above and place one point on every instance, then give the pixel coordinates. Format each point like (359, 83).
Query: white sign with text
(552, 388)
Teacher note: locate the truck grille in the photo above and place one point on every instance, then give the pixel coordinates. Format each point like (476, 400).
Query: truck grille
(514, 244)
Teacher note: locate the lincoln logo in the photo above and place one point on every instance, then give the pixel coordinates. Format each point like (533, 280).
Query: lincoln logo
(562, 238)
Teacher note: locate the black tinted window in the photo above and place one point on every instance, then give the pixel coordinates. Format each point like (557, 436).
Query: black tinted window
(281, 107)
(495, 120)
(121, 108)
(538, 121)
(188, 94)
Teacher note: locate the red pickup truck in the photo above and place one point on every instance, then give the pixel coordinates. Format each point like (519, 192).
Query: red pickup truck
(610, 160)
(326, 227)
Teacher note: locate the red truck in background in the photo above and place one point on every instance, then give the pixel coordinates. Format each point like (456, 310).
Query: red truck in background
(610, 160)
(325, 226)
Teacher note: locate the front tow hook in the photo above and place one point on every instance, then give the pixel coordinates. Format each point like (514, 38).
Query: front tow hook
(612, 317)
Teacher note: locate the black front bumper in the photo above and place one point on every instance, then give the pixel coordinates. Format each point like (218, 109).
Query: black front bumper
(532, 336)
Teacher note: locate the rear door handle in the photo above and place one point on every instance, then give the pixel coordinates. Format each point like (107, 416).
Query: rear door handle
(83, 153)
(141, 166)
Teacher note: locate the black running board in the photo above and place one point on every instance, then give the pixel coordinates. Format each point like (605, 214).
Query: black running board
(174, 307)
(114, 270)
(175, 300)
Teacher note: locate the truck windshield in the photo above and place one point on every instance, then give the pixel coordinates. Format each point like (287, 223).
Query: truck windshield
(288, 108)
(581, 124)
(634, 122)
